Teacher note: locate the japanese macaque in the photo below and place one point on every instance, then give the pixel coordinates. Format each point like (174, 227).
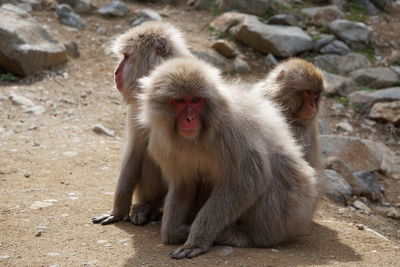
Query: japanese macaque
(296, 86)
(142, 48)
(208, 133)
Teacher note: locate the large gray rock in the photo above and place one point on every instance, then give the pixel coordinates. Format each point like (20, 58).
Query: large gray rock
(338, 85)
(258, 7)
(114, 9)
(284, 19)
(375, 77)
(342, 64)
(212, 58)
(336, 47)
(322, 40)
(368, 98)
(359, 154)
(283, 41)
(336, 187)
(386, 111)
(68, 17)
(224, 48)
(25, 46)
(80, 6)
(227, 20)
(367, 185)
(322, 16)
(355, 34)
(145, 14)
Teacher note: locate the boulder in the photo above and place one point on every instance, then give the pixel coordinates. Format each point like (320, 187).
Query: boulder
(338, 85)
(257, 7)
(342, 64)
(284, 19)
(365, 184)
(145, 15)
(270, 61)
(386, 111)
(359, 154)
(322, 40)
(241, 66)
(113, 9)
(368, 98)
(322, 16)
(336, 187)
(336, 47)
(224, 48)
(68, 17)
(212, 58)
(227, 20)
(283, 41)
(25, 46)
(355, 34)
(80, 6)
(375, 77)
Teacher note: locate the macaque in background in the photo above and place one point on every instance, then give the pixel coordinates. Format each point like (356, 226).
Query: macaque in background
(141, 48)
(296, 86)
(205, 130)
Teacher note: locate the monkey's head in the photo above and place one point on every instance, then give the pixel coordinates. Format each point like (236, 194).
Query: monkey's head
(180, 97)
(300, 85)
(142, 48)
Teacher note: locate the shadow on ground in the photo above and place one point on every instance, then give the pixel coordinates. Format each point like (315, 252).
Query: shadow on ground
(321, 246)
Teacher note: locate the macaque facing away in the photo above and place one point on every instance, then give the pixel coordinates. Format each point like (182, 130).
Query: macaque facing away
(296, 86)
(205, 130)
(141, 48)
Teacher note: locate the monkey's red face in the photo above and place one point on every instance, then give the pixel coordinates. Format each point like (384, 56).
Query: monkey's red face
(118, 73)
(188, 119)
(310, 104)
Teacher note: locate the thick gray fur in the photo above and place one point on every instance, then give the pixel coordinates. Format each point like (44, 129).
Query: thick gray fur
(262, 191)
(147, 46)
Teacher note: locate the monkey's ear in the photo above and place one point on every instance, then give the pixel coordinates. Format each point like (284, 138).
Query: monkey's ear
(162, 47)
(281, 76)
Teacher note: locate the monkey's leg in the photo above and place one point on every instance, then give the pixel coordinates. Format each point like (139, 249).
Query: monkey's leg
(178, 202)
(128, 178)
(149, 194)
(223, 208)
(236, 236)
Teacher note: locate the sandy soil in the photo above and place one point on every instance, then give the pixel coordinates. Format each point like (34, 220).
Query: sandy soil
(57, 160)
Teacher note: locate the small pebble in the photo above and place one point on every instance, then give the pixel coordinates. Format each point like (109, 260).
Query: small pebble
(224, 250)
(53, 254)
(100, 129)
(40, 205)
(360, 226)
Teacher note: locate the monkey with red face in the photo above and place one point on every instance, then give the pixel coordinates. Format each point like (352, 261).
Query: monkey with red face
(261, 190)
(296, 86)
(141, 49)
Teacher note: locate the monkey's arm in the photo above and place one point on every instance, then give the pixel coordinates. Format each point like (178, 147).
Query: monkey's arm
(227, 203)
(176, 208)
(128, 178)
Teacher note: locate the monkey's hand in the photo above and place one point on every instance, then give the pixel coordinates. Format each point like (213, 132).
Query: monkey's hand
(188, 251)
(144, 213)
(109, 218)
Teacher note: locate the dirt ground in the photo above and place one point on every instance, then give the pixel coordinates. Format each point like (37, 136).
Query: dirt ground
(56, 160)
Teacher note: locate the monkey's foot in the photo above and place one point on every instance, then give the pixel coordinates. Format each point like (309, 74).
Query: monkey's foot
(143, 213)
(109, 219)
(187, 252)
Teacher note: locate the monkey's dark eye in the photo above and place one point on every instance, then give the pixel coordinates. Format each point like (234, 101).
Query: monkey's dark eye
(195, 100)
(179, 100)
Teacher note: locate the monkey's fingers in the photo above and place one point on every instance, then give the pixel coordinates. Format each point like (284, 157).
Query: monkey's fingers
(141, 214)
(105, 219)
(188, 253)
